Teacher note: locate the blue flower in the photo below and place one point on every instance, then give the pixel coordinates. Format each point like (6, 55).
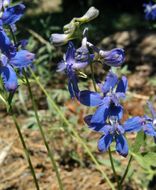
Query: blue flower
(145, 123)
(22, 59)
(111, 131)
(74, 59)
(114, 57)
(150, 11)
(108, 104)
(8, 74)
(77, 59)
(12, 14)
(6, 45)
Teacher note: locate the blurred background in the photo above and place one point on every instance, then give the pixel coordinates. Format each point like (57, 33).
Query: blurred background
(120, 24)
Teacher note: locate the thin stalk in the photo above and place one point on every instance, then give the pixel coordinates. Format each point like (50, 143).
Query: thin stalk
(18, 128)
(126, 171)
(92, 73)
(113, 168)
(25, 148)
(75, 133)
(54, 165)
(109, 150)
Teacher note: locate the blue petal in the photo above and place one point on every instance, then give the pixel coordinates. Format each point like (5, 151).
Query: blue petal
(9, 77)
(104, 142)
(12, 14)
(149, 129)
(116, 111)
(133, 124)
(5, 44)
(98, 127)
(100, 115)
(121, 145)
(90, 98)
(23, 58)
(82, 58)
(150, 106)
(110, 82)
(70, 54)
(122, 85)
(114, 57)
(61, 66)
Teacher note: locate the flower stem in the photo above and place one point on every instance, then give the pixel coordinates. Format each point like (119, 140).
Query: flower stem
(75, 133)
(92, 73)
(54, 165)
(24, 147)
(127, 169)
(113, 168)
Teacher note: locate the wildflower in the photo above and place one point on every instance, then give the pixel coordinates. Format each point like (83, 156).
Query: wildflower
(8, 74)
(12, 14)
(113, 58)
(109, 104)
(145, 123)
(111, 130)
(22, 59)
(150, 11)
(73, 59)
(6, 45)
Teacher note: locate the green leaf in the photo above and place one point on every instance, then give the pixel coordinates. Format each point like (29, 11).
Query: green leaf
(138, 142)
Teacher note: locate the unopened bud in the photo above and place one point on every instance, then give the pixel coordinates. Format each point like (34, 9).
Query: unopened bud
(59, 39)
(91, 14)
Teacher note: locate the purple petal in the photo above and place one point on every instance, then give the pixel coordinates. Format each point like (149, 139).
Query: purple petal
(134, 124)
(23, 58)
(122, 85)
(5, 44)
(114, 57)
(70, 54)
(98, 127)
(150, 106)
(116, 111)
(110, 82)
(12, 14)
(9, 77)
(100, 115)
(90, 98)
(61, 66)
(121, 145)
(104, 142)
(149, 129)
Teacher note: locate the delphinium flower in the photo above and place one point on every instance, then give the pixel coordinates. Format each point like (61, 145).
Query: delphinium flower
(112, 58)
(150, 11)
(12, 56)
(75, 59)
(109, 112)
(11, 14)
(108, 104)
(22, 59)
(145, 123)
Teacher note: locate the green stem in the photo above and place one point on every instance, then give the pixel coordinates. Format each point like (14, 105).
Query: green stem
(92, 73)
(18, 128)
(113, 168)
(54, 165)
(25, 148)
(109, 150)
(57, 109)
(126, 171)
